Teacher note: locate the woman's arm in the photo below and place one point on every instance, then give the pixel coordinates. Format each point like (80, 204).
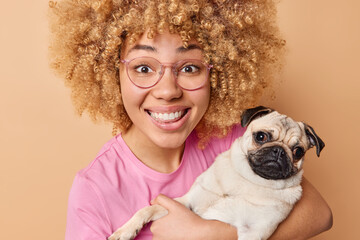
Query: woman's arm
(310, 216)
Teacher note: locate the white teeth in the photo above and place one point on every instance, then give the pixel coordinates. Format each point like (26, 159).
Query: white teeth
(166, 116)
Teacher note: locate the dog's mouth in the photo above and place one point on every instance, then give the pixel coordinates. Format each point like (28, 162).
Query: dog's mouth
(271, 163)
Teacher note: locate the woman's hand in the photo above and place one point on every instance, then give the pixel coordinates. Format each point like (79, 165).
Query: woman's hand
(181, 223)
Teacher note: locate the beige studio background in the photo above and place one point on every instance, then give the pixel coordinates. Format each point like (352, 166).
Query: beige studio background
(43, 144)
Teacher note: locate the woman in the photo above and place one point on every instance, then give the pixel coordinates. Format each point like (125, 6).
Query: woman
(173, 77)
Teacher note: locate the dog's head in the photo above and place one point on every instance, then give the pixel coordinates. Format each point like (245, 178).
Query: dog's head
(275, 144)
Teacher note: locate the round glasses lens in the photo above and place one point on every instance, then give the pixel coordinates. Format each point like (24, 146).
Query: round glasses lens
(144, 72)
(191, 74)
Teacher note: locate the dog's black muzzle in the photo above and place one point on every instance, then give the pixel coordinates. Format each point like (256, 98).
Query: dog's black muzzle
(271, 163)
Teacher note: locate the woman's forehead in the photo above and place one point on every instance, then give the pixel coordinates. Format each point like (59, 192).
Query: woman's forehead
(165, 41)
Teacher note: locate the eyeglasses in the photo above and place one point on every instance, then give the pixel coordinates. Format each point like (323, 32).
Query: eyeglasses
(146, 72)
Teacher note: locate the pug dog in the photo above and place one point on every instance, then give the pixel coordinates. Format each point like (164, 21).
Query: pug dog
(254, 185)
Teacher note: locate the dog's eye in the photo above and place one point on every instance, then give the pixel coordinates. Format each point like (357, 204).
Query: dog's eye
(298, 153)
(261, 137)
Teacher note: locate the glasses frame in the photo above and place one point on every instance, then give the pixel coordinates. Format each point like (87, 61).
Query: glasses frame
(163, 68)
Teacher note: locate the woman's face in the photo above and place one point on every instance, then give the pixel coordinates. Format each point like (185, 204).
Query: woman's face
(163, 115)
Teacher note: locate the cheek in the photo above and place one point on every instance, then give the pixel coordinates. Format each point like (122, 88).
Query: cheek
(132, 96)
(124, 88)
(204, 104)
(202, 98)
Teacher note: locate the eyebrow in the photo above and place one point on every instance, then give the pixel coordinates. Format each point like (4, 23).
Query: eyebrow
(143, 47)
(149, 48)
(188, 48)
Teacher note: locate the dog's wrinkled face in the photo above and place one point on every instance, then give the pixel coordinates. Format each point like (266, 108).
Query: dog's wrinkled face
(278, 145)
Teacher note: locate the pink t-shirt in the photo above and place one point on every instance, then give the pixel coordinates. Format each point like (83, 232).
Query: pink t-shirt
(116, 184)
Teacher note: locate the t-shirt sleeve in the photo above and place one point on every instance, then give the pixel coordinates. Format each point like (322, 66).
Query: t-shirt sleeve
(86, 216)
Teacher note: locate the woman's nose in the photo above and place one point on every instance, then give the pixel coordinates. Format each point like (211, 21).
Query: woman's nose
(167, 87)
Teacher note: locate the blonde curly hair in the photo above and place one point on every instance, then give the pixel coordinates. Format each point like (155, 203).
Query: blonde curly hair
(239, 38)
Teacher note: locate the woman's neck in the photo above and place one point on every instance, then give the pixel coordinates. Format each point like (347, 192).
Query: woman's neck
(164, 160)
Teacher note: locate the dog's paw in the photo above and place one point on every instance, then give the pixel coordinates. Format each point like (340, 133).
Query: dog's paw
(250, 237)
(121, 234)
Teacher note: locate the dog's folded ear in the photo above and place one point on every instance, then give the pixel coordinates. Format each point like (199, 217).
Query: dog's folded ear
(252, 113)
(314, 139)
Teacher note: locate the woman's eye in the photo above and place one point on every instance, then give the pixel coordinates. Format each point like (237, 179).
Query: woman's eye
(261, 137)
(190, 69)
(143, 69)
(298, 153)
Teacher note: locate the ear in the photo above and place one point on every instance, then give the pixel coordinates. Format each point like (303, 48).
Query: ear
(250, 114)
(314, 139)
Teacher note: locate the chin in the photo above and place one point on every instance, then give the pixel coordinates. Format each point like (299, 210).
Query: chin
(173, 141)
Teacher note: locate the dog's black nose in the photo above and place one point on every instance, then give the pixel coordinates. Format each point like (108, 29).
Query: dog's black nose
(280, 157)
(279, 151)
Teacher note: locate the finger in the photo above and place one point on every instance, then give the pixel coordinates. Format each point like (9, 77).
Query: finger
(165, 201)
(161, 198)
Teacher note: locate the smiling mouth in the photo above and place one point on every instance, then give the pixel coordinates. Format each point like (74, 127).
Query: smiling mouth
(168, 117)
